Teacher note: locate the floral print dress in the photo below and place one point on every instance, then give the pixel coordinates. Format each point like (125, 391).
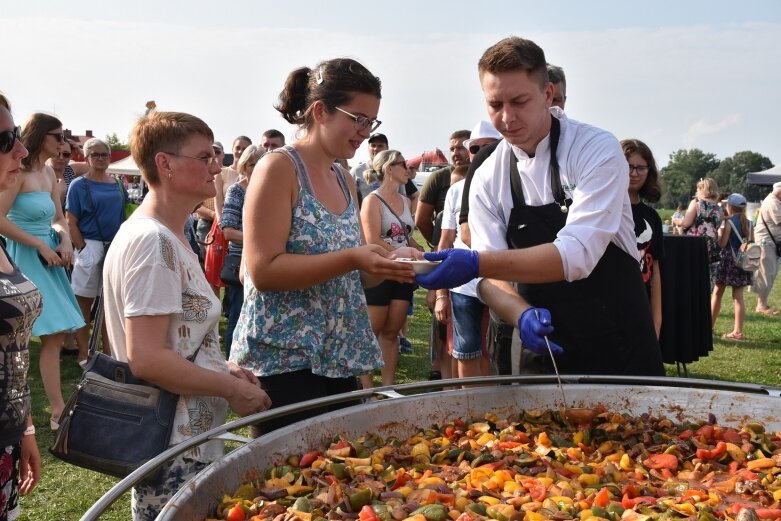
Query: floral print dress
(325, 327)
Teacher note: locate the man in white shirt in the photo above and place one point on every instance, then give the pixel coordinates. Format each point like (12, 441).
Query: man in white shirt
(549, 210)
(768, 235)
(377, 143)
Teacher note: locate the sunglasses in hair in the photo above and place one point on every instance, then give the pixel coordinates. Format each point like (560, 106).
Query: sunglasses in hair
(8, 139)
(59, 136)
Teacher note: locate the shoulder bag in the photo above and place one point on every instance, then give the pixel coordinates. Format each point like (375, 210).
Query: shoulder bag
(114, 422)
(778, 244)
(747, 257)
(229, 273)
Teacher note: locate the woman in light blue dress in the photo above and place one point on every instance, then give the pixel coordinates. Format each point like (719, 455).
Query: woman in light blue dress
(32, 222)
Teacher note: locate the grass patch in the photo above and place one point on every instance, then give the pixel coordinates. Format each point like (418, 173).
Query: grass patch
(66, 492)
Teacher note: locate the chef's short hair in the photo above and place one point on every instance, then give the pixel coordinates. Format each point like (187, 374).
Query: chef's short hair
(514, 54)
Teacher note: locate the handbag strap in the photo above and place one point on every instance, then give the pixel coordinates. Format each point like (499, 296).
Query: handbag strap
(403, 226)
(92, 203)
(767, 229)
(97, 327)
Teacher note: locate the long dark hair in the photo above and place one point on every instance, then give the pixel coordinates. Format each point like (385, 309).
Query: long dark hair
(33, 134)
(335, 82)
(651, 191)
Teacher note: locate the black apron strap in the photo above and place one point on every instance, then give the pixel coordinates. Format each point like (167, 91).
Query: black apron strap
(555, 171)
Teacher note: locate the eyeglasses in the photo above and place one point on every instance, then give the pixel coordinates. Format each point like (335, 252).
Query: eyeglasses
(59, 136)
(100, 155)
(362, 122)
(206, 160)
(8, 139)
(640, 169)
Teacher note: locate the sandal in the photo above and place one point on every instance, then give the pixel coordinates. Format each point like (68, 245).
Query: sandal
(732, 336)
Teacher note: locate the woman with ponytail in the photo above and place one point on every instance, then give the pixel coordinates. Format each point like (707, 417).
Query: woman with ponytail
(304, 329)
(731, 234)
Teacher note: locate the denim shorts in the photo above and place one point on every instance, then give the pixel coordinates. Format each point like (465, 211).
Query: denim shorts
(470, 325)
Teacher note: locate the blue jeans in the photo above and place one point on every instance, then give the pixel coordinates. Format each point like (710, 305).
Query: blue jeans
(467, 315)
(234, 298)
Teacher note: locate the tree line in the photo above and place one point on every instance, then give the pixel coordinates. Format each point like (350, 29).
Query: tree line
(686, 167)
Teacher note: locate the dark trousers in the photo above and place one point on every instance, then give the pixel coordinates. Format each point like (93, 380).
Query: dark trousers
(300, 386)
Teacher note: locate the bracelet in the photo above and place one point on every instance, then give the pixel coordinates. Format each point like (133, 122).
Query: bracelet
(440, 297)
(29, 430)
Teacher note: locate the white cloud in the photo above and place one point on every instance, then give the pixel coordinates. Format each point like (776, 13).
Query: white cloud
(703, 128)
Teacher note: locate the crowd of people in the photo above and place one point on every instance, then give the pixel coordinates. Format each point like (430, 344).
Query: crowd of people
(540, 223)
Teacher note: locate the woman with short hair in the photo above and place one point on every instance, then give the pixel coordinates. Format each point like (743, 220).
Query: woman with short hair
(39, 243)
(95, 209)
(160, 309)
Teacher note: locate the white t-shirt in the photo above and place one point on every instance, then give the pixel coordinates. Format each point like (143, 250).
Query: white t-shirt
(771, 210)
(450, 222)
(594, 174)
(148, 271)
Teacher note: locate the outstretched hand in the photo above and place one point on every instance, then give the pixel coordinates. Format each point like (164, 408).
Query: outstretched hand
(458, 266)
(534, 325)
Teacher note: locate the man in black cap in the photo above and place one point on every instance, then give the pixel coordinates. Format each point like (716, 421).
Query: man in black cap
(377, 143)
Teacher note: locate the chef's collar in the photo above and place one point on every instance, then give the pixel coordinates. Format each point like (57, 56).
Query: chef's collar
(542, 148)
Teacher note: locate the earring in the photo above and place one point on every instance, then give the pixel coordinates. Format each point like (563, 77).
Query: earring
(169, 175)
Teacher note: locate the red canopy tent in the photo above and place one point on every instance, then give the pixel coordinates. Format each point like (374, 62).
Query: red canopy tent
(425, 161)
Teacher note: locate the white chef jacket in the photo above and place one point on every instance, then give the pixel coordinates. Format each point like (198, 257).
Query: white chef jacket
(450, 222)
(594, 174)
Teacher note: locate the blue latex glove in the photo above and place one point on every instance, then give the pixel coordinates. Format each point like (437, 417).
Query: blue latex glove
(458, 267)
(533, 325)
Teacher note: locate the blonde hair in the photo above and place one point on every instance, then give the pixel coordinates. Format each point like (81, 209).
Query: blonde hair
(162, 132)
(251, 154)
(708, 188)
(381, 162)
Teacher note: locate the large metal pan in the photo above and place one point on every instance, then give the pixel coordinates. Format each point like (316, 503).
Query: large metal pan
(733, 404)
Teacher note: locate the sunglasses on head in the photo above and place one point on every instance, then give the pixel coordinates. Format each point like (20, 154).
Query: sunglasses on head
(8, 139)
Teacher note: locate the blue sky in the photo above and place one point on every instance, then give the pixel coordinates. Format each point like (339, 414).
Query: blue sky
(676, 74)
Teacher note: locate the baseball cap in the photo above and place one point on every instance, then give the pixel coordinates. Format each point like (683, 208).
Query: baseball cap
(378, 137)
(736, 200)
(483, 129)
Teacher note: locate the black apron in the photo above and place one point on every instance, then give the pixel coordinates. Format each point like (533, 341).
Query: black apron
(602, 322)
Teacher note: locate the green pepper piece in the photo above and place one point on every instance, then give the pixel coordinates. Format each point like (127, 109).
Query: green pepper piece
(339, 470)
(360, 498)
(558, 441)
(454, 453)
(599, 512)
(433, 512)
(383, 512)
(616, 509)
(482, 459)
(302, 504)
(478, 508)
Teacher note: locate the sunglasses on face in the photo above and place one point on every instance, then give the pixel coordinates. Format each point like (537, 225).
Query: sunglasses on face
(100, 155)
(59, 136)
(8, 139)
(474, 149)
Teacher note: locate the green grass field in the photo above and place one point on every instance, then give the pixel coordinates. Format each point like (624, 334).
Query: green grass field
(65, 492)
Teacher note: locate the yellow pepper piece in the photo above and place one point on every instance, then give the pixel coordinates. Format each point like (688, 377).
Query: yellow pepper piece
(485, 438)
(433, 480)
(777, 495)
(404, 491)
(762, 463)
(626, 462)
(511, 486)
(588, 480)
(489, 500)
(578, 437)
(585, 514)
(561, 499)
(545, 482)
(544, 440)
(533, 516)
